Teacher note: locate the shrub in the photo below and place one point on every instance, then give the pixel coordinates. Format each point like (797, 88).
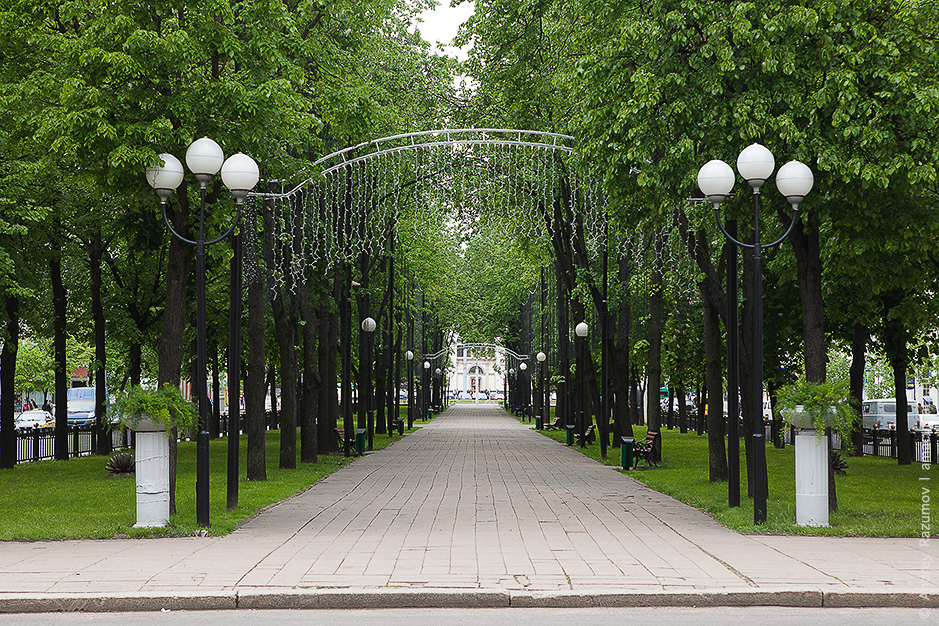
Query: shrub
(121, 464)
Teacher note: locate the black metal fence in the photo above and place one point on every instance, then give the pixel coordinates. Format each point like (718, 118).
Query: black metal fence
(38, 444)
(883, 443)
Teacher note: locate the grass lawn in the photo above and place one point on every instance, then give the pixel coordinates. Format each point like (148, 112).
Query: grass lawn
(76, 499)
(877, 498)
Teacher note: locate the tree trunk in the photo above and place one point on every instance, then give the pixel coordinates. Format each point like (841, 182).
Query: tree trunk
(171, 344)
(271, 388)
(11, 342)
(103, 443)
(655, 325)
(807, 249)
(285, 330)
(858, 362)
(215, 420)
(896, 347)
(682, 409)
(717, 451)
(328, 401)
(378, 401)
(135, 358)
(563, 403)
(309, 398)
(255, 420)
(61, 362)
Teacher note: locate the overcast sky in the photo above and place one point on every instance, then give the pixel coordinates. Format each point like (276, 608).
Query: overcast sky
(441, 24)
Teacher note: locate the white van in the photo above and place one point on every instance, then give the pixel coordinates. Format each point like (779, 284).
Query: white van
(882, 413)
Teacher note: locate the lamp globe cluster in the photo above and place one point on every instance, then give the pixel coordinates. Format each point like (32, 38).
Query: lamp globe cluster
(205, 159)
(756, 164)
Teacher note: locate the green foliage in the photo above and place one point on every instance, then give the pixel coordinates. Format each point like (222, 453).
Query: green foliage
(165, 406)
(828, 404)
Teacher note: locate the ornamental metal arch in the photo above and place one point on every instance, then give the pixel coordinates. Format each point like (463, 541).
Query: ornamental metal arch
(359, 199)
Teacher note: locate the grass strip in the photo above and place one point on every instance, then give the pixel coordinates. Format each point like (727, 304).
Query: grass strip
(76, 499)
(876, 498)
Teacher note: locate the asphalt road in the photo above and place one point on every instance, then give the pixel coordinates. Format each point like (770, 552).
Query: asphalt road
(764, 616)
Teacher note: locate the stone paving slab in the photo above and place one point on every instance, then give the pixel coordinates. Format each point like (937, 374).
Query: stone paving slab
(473, 509)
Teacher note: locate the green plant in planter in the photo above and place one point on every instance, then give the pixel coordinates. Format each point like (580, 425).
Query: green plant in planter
(165, 406)
(828, 405)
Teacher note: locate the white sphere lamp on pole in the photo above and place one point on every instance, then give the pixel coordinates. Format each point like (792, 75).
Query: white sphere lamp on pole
(240, 174)
(166, 177)
(794, 180)
(756, 163)
(204, 158)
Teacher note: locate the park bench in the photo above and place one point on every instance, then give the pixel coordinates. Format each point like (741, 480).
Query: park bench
(557, 424)
(649, 449)
(341, 438)
(590, 436)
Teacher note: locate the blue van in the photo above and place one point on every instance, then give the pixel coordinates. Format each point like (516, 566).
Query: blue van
(80, 406)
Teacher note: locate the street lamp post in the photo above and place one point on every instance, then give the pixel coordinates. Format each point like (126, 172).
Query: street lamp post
(425, 392)
(794, 180)
(525, 400)
(438, 388)
(542, 396)
(368, 327)
(240, 174)
(412, 396)
(581, 331)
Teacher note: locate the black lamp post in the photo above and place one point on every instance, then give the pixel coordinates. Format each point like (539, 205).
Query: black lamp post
(368, 327)
(412, 396)
(438, 388)
(542, 395)
(581, 331)
(425, 391)
(525, 399)
(240, 174)
(794, 180)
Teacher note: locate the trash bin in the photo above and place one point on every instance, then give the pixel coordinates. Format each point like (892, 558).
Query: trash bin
(400, 426)
(539, 423)
(570, 434)
(626, 452)
(360, 441)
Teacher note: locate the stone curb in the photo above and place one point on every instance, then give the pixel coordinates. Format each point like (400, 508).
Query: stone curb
(116, 602)
(695, 598)
(455, 598)
(374, 599)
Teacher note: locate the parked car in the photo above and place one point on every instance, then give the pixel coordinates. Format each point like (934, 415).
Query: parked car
(497, 395)
(36, 418)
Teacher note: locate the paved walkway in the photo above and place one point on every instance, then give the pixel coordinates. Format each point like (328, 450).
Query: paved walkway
(473, 509)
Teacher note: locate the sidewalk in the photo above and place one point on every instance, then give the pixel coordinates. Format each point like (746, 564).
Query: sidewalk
(472, 510)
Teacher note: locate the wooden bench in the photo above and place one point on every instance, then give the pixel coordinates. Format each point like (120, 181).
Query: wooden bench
(590, 436)
(557, 424)
(341, 438)
(649, 449)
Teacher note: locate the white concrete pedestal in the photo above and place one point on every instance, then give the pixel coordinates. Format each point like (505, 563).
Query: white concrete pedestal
(153, 479)
(811, 479)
